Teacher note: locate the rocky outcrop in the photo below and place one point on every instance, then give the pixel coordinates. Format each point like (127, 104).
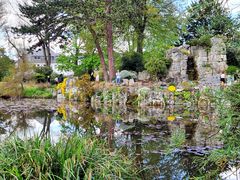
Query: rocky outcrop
(209, 63)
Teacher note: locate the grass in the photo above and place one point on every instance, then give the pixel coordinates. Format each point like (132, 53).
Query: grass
(37, 92)
(72, 158)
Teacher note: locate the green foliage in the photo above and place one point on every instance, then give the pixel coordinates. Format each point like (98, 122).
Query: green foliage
(208, 17)
(232, 70)
(36, 92)
(41, 73)
(157, 66)
(204, 40)
(233, 94)
(233, 50)
(178, 138)
(44, 23)
(228, 105)
(132, 61)
(72, 158)
(78, 65)
(12, 84)
(5, 64)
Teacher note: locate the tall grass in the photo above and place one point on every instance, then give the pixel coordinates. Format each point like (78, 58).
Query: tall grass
(228, 105)
(73, 158)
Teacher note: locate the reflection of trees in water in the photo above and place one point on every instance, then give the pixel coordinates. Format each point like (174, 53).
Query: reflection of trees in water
(19, 121)
(45, 132)
(81, 118)
(12, 122)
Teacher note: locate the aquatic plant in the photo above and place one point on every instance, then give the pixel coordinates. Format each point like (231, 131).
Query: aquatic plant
(227, 103)
(72, 158)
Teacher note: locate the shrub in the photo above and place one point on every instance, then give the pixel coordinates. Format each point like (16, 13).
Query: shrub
(132, 61)
(85, 88)
(204, 41)
(36, 92)
(41, 73)
(72, 158)
(158, 67)
(6, 64)
(232, 70)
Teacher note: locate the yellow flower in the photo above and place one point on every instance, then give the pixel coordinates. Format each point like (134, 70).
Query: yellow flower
(171, 118)
(61, 110)
(172, 88)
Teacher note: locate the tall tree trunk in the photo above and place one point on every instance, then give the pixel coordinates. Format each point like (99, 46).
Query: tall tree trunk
(140, 39)
(109, 34)
(139, 24)
(48, 54)
(45, 54)
(100, 52)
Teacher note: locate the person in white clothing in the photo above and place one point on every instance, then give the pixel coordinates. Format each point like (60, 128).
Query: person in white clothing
(223, 79)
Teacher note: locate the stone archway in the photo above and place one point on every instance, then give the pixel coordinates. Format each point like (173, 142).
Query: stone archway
(192, 69)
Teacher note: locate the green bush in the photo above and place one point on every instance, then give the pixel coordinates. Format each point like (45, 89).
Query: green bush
(41, 73)
(204, 41)
(5, 64)
(232, 70)
(72, 158)
(36, 92)
(158, 67)
(132, 61)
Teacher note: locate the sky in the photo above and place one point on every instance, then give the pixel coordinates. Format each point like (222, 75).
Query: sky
(12, 14)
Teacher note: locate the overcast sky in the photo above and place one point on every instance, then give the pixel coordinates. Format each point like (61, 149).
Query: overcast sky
(13, 19)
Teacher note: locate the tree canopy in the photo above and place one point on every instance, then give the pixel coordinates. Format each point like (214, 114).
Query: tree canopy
(208, 17)
(43, 22)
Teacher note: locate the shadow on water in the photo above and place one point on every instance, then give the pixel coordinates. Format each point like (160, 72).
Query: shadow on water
(142, 134)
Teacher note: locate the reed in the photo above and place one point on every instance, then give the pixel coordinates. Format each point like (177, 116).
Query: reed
(72, 158)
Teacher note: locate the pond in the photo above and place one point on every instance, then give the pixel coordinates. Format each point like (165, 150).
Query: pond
(148, 135)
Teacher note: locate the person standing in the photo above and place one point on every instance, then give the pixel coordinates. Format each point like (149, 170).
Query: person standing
(118, 77)
(223, 79)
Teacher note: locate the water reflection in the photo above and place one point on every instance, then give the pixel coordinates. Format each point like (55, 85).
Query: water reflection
(142, 134)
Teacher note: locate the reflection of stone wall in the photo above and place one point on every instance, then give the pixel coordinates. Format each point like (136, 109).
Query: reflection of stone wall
(210, 63)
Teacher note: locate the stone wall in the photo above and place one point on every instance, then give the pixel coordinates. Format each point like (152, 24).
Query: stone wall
(210, 62)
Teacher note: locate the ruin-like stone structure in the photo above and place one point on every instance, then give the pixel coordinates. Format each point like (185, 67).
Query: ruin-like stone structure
(196, 63)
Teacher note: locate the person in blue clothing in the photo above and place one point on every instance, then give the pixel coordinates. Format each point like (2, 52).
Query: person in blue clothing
(118, 77)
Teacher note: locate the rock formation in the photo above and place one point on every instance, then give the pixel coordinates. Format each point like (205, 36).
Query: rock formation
(196, 63)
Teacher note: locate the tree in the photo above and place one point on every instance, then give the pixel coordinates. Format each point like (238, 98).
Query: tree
(208, 17)
(43, 23)
(80, 14)
(109, 37)
(138, 18)
(5, 64)
(98, 17)
(2, 12)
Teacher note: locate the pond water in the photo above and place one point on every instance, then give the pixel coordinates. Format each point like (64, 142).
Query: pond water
(144, 135)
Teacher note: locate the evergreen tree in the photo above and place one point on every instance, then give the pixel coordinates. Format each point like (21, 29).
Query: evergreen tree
(208, 17)
(44, 23)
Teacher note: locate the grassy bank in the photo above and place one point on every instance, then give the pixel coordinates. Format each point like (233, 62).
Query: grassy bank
(37, 92)
(73, 158)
